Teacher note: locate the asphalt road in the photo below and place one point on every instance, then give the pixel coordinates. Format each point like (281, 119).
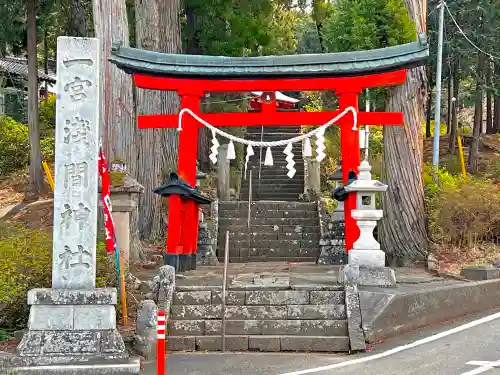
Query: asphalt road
(472, 351)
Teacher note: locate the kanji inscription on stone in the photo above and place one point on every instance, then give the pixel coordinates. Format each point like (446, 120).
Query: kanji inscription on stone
(76, 175)
(76, 130)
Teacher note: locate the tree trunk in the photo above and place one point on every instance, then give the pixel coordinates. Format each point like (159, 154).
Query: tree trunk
(428, 108)
(449, 82)
(35, 179)
(117, 128)
(77, 19)
(157, 29)
(489, 101)
(496, 115)
(478, 116)
(193, 47)
(403, 229)
(454, 113)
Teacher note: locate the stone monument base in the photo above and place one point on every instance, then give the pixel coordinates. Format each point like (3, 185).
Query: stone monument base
(69, 327)
(26, 366)
(367, 276)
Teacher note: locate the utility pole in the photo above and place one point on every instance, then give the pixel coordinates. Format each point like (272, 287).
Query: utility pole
(439, 68)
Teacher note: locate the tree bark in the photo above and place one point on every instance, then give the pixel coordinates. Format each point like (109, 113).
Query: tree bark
(403, 229)
(77, 19)
(157, 29)
(449, 82)
(496, 115)
(117, 128)
(489, 101)
(35, 179)
(478, 116)
(454, 113)
(428, 108)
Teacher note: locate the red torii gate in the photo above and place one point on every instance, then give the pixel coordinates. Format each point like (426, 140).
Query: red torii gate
(347, 74)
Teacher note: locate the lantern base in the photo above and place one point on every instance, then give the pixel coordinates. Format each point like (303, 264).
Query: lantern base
(367, 258)
(368, 276)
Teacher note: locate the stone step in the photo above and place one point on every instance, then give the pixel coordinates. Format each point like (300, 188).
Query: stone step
(288, 245)
(303, 206)
(313, 235)
(267, 259)
(245, 255)
(283, 197)
(260, 297)
(271, 228)
(270, 188)
(259, 312)
(269, 214)
(262, 343)
(258, 327)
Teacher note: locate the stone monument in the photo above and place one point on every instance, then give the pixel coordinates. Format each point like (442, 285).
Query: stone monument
(73, 324)
(366, 260)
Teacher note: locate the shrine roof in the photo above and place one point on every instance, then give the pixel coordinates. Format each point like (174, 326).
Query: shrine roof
(137, 61)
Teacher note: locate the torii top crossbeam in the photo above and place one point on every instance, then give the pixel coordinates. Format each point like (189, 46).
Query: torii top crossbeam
(346, 73)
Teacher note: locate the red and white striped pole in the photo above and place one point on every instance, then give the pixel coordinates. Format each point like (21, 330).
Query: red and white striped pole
(161, 332)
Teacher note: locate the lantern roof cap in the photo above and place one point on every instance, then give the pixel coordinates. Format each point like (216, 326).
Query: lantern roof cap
(177, 186)
(339, 64)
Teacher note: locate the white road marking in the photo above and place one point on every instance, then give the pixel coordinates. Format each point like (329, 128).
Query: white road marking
(484, 366)
(398, 349)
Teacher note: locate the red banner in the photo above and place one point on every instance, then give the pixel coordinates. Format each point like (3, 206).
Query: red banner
(109, 226)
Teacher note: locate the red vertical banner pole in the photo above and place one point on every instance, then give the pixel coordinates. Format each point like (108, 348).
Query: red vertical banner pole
(161, 334)
(188, 152)
(349, 145)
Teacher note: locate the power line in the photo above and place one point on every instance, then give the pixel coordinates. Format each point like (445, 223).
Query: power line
(466, 37)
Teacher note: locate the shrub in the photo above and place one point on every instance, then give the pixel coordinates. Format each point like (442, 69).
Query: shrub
(26, 263)
(47, 113)
(462, 211)
(14, 146)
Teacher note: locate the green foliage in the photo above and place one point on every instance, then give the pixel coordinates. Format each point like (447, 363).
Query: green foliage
(47, 148)
(47, 113)
(367, 24)
(14, 146)
(26, 263)
(461, 211)
(234, 28)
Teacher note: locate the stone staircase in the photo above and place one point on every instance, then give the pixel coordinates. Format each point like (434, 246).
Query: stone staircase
(265, 320)
(274, 184)
(279, 231)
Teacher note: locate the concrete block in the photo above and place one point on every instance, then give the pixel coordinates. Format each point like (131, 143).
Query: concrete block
(324, 328)
(98, 296)
(281, 327)
(202, 297)
(480, 274)
(234, 327)
(232, 298)
(181, 343)
(281, 297)
(214, 343)
(94, 317)
(64, 342)
(314, 344)
(316, 312)
(326, 297)
(56, 318)
(353, 310)
(264, 343)
(186, 327)
(195, 312)
(256, 312)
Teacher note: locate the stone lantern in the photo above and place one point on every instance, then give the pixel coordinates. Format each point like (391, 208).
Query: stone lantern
(366, 253)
